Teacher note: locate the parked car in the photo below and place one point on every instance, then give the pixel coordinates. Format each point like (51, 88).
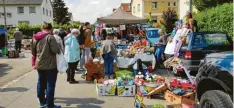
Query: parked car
(199, 45)
(215, 81)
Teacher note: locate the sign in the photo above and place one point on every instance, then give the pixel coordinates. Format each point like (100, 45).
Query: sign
(122, 27)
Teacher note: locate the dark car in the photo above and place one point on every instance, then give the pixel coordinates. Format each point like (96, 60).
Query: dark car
(199, 45)
(215, 81)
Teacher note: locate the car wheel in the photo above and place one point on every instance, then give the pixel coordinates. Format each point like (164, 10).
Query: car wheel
(215, 99)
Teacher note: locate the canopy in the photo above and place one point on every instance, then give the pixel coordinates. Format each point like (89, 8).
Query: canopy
(119, 16)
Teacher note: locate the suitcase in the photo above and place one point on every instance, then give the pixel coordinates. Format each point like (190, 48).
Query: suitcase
(13, 54)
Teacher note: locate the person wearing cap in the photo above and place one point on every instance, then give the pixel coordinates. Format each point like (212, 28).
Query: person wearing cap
(18, 35)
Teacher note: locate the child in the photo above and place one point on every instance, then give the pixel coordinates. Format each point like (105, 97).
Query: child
(109, 54)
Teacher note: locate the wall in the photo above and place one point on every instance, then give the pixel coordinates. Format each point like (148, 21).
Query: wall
(183, 8)
(33, 18)
(161, 6)
(48, 6)
(135, 3)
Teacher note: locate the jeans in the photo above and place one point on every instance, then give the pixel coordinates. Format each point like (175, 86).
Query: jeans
(108, 64)
(158, 54)
(46, 82)
(85, 56)
(18, 46)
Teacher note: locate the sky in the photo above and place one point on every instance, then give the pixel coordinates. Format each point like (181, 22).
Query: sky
(90, 10)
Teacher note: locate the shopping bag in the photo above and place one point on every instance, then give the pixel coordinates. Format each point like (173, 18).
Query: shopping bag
(62, 64)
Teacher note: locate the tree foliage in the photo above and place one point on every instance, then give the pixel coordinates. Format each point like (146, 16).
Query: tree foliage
(60, 12)
(169, 18)
(219, 18)
(204, 4)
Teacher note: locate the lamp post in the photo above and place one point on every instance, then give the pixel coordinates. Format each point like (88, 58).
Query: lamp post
(191, 6)
(4, 9)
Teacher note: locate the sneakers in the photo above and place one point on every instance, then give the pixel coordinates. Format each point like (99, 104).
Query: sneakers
(111, 77)
(106, 77)
(42, 106)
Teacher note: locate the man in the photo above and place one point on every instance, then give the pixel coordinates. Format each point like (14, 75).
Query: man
(62, 34)
(88, 41)
(18, 35)
(81, 39)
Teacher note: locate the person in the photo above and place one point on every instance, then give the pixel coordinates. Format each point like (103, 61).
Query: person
(68, 31)
(58, 39)
(72, 54)
(190, 22)
(103, 34)
(18, 35)
(109, 54)
(88, 42)
(45, 48)
(62, 34)
(160, 47)
(81, 39)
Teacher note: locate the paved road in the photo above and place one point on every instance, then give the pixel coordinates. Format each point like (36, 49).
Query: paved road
(11, 69)
(22, 94)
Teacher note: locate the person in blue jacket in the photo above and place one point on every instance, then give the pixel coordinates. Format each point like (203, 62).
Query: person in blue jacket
(72, 54)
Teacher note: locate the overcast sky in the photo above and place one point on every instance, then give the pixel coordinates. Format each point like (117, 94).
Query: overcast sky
(89, 10)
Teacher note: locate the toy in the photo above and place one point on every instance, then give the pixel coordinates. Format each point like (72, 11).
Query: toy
(182, 84)
(93, 70)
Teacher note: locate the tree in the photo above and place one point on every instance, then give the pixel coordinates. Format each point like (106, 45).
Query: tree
(169, 18)
(205, 4)
(60, 12)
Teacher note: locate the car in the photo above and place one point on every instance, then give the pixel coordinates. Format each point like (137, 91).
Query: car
(214, 81)
(199, 44)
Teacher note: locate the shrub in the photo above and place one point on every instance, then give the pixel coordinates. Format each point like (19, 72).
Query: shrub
(219, 18)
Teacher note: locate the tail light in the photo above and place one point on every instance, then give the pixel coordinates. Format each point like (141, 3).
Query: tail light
(188, 55)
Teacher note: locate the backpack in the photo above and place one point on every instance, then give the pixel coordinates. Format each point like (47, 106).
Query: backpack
(82, 37)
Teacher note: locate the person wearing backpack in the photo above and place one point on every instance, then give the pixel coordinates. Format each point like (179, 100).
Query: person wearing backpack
(81, 39)
(88, 41)
(45, 48)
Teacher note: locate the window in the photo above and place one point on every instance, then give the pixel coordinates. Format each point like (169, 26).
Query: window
(169, 4)
(154, 19)
(174, 3)
(138, 7)
(50, 13)
(216, 39)
(23, 22)
(154, 5)
(9, 15)
(46, 12)
(43, 11)
(133, 9)
(32, 9)
(20, 10)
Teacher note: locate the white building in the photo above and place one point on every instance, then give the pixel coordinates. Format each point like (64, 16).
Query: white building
(30, 11)
(183, 8)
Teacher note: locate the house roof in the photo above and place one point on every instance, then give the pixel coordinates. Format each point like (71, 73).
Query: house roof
(125, 7)
(22, 2)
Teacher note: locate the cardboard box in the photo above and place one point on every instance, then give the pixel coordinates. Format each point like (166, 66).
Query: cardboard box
(106, 89)
(159, 89)
(146, 88)
(188, 98)
(126, 90)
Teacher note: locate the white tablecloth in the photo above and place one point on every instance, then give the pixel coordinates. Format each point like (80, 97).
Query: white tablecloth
(125, 62)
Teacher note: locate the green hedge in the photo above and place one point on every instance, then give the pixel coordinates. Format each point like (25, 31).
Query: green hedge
(219, 18)
(28, 30)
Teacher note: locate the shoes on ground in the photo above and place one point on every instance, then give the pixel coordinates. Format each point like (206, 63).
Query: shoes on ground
(55, 106)
(73, 82)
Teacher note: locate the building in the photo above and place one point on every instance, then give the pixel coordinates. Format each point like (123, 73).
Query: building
(183, 8)
(32, 12)
(143, 8)
(125, 6)
(70, 16)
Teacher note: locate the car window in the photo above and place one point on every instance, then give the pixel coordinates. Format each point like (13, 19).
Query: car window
(152, 33)
(216, 39)
(199, 41)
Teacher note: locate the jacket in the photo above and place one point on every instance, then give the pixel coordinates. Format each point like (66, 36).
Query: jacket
(18, 35)
(108, 46)
(44, 50)
(72, 49)
(88, 38)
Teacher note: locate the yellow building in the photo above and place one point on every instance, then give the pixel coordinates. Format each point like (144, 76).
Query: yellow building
(143, 8)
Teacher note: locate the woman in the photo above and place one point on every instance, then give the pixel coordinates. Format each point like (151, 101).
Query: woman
(109, 54)
(160, 47)
(45, 48)
(190, 22)
(72, 54)
(58, 39)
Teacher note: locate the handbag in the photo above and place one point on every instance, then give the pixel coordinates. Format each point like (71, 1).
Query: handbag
(62, 64)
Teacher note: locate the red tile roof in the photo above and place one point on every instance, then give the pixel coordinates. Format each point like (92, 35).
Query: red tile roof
(126, 7)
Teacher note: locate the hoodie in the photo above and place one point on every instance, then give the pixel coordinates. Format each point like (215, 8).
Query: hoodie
(38, 37)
